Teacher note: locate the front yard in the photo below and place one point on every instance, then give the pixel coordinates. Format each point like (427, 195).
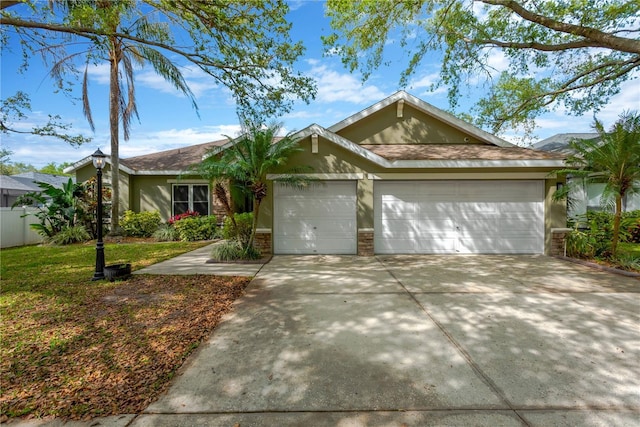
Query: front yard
(78, 349)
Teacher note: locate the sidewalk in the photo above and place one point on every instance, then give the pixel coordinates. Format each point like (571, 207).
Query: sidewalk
(195, 262)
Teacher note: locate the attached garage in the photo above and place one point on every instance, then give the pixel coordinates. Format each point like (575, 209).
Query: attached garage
(320, 219)
(424, 217)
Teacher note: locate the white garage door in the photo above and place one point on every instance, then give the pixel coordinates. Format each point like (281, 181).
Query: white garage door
(316, 220)
(459, 217)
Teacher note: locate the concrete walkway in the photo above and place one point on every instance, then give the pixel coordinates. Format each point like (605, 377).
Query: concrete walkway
(415, 341)
(195, 262)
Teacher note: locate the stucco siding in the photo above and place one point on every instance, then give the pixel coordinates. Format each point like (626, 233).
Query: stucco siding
(153, 193)
(414, 127)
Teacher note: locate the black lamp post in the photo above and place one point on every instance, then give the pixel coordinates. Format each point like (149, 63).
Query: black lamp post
(98, 161)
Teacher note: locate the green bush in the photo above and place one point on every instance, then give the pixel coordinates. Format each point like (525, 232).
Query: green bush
(196, 228)
(631, 222)
(142, 224)
(166, 233)
(627, 262)
(242, 234)
(68, 235)
(231, 250)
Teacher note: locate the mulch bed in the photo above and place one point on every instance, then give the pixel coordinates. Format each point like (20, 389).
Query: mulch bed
(120, 349)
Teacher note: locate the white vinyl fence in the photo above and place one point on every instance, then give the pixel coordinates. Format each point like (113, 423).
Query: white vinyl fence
(15, 230)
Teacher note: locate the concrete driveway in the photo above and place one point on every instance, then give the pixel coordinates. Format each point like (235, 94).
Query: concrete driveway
(418, 341)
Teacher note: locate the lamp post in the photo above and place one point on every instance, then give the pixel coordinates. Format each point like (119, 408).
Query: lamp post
(98, 161)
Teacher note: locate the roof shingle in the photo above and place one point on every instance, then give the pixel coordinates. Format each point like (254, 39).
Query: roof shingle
(179, 159)
(458, 152)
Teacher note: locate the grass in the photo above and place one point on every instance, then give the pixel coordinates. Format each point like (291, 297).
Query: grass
(74, 348)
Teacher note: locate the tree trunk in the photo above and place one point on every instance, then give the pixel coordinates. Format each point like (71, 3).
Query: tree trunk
(221, 194)
(114, 124)
(616, 225)
(254, 223)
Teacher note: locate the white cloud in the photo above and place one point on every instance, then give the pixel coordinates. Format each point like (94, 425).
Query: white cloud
(342, 87)
(144, 142)
(197, 80)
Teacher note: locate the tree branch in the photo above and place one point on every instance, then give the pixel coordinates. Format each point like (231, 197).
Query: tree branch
(568, 86)
(535, 46)
(92, 33)
(596, 37)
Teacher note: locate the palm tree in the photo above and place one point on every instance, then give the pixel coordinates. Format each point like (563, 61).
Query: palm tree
(614, 159)
(249, 158)
(111, 16)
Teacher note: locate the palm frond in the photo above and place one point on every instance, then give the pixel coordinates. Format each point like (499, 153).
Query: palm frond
(86, 106)
(168, 71)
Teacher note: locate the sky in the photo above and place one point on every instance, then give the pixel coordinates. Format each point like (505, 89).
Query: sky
(168, 121)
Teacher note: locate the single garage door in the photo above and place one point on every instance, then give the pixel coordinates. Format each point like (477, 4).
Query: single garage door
(459, 217)
(320, 219)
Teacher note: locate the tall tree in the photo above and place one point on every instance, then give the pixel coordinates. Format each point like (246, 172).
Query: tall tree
(243, 45)
(613, 158)
(249, 158)
(572, 54)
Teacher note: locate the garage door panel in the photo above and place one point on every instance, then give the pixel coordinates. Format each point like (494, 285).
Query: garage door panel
(320, 219)
(478, 227)
(397, 246)
(295, 246)
(436, 245)
(459, 217)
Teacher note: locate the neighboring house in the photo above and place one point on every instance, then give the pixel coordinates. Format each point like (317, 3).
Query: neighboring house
(398, 177)
(14, 186)
(585, 197)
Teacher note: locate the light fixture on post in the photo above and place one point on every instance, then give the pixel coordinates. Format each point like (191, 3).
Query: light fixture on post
(99, 161)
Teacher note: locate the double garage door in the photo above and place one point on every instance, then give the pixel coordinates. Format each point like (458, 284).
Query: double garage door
(413, 217)
(459, 217)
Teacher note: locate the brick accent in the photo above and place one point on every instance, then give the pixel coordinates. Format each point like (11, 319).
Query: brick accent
(365, 243)
(558, 236)
(263, 242)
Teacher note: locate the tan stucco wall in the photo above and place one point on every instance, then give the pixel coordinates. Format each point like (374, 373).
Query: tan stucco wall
(152, 193)
(333, 159)
(414, 127)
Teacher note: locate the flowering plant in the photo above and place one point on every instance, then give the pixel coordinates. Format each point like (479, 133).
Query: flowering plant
(187, 214)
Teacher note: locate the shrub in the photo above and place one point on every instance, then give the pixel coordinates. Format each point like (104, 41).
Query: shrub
(68, 235)
(166, 233)
(242, 234)
(231, 250)
(142, 224)
(627, 262)
(194, 228)
(187, 214)
(631, 222)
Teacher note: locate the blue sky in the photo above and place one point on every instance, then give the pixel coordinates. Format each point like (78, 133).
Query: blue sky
(168, 121)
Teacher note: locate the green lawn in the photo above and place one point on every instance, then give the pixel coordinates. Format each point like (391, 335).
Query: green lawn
(60, 269)
(75, 348)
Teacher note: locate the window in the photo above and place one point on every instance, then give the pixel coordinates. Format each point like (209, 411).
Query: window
(190, 197)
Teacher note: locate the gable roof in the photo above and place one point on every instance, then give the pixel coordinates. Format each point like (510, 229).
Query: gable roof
(443, 156)
(559, 143)
(11, 183)
(428, 109)
(490, 152)
(169, 162)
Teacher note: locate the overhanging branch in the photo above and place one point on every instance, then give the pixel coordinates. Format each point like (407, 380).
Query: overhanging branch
(595, 37)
